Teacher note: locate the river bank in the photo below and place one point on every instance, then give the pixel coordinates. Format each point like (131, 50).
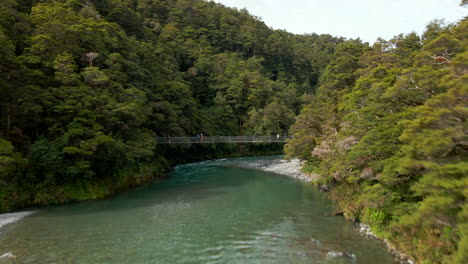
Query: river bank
(209, 212)
(23, 194)
(128, 179)
(293, 168)
(276, 164)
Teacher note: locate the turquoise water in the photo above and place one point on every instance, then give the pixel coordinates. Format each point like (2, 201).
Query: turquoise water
(210, 212)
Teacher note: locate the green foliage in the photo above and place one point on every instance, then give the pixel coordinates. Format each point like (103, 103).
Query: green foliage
(88, 85)
(275, 118)
(10, 161)
(374, 217)
(391, 139)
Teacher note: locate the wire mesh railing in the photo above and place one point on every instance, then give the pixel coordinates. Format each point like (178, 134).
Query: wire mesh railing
(222, 139)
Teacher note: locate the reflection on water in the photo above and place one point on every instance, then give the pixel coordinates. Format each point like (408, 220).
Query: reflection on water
(210, 212)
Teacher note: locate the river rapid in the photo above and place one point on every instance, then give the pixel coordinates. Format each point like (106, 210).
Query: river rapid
(222, 211)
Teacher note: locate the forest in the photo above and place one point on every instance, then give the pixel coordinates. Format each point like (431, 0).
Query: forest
(88, 85)
(386, 132)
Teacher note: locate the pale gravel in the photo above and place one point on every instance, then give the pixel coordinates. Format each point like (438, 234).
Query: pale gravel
(291, 168)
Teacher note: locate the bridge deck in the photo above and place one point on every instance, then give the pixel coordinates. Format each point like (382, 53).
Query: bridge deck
(222, 139)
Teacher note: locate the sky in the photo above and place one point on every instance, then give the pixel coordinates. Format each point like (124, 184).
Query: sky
(366, 19)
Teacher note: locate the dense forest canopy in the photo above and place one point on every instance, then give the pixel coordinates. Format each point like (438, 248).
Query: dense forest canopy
(87, 85)
(387, 132)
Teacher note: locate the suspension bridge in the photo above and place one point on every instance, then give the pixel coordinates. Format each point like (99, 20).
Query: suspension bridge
(223, 139)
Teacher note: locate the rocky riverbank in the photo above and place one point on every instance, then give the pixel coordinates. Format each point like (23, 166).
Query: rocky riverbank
(291, 168)
(403, 258)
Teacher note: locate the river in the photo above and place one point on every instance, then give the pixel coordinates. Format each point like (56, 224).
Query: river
(221, 211)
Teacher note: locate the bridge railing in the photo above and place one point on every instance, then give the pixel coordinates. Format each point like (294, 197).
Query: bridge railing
(222, 139)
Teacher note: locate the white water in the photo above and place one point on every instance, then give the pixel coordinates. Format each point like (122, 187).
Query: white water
(13, 217)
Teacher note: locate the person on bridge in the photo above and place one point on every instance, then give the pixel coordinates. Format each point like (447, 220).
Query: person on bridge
(202, 138)
(277, 137)
(198, 137)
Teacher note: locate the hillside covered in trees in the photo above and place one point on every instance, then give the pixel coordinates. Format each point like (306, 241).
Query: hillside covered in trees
(87, 85)
(387, 133)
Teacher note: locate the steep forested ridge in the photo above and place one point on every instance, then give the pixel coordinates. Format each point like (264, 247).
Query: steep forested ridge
(87, 85)
(387, 133)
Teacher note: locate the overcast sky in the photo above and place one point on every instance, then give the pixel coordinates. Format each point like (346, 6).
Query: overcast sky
(367, 19)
